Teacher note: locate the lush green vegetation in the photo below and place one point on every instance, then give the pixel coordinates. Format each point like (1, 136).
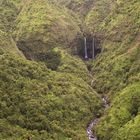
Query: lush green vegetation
(116, 71)
(118, 30)
(81, 7)
(42, 26)
(8, 13)
(36, 102)
(41, 104)
(122, 118)
(45, 90)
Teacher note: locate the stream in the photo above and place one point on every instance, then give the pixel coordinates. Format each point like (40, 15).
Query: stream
(93, 123)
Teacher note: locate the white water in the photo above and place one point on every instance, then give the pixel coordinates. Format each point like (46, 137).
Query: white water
(93, 123)
(85, 44)
(91, 136)
(93, 48)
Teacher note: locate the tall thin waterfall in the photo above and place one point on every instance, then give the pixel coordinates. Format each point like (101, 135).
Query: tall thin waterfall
(85, 44)
(93, 48)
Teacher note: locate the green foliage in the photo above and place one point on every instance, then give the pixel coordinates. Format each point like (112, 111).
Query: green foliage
(117, 24)
(7, 43)
(81, 7)
(42, 26)
(130, 130)
(122, 116)
(51, 58)
(118, 30)
(74, 65)
(8, 13)
(42, 103)
(50, 97)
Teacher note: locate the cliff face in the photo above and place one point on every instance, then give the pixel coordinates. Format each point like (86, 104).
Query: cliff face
(46, 90)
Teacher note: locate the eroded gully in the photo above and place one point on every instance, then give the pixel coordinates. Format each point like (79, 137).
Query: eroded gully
(93, 123)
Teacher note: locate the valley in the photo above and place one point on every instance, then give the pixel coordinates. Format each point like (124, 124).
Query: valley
(69, 70)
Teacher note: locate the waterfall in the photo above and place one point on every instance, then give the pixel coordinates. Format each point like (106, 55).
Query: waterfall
(93, 48)
(85, 44)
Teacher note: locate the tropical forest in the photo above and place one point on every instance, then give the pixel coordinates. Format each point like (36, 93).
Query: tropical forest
(69, 69)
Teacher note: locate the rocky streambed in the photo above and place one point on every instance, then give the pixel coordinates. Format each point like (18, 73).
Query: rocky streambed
(93, 123)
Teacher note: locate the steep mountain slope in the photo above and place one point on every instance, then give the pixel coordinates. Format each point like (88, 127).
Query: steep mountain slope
(81, 7)
(42, 26)
(8, 13)
(36, 102)
(122, 117)
(47, 91)
(116, 71)
(40, 104)
(118, 32)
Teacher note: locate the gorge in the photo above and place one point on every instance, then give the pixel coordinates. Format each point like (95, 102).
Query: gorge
(69, 70)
